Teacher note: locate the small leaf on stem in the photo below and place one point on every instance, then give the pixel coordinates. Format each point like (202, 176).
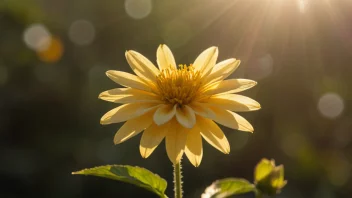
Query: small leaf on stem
(134, 175)
(227, 187)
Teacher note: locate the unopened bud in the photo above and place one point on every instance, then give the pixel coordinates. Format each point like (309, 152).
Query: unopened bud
(269, 179)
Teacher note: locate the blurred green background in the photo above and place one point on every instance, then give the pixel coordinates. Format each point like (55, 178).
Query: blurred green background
(53, 58)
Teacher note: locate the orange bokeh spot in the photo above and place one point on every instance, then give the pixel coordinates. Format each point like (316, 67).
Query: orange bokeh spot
(54, 51)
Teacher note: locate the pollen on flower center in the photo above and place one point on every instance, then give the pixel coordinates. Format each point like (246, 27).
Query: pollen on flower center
(179, 86)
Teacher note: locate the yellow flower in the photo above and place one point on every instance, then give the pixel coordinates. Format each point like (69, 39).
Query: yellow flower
(179, 104)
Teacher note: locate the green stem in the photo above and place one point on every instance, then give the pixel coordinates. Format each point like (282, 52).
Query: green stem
(258, 194)
(178, 180)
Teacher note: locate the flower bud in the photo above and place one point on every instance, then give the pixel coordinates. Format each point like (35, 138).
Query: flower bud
(269, 179)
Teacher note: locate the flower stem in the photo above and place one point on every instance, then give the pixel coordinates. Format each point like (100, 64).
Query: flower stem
(258, 194)
(178, 180)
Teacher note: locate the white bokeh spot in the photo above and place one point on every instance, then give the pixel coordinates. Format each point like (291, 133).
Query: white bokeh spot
(263, 68)
(138, 9)
(37, 37)
(81, 32)
(330, 105)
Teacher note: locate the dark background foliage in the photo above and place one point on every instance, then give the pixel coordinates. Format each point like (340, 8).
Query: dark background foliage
(299, 51)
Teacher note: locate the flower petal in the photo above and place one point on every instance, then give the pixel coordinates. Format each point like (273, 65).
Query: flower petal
(194, 147)
(151, 138)
(231, 120)
(141, 65)
(133, 127)
(202, 110)
(165, 58)
(185, 116)
(212, 133)
(127, 80)
(206, 60)
(164, 114)
(126, 112)
(222, 70)
(128, 95)
(233, 102)
(230, 86)
(175, 141)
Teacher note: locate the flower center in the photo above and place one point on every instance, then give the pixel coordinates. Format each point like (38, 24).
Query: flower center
(179, 86)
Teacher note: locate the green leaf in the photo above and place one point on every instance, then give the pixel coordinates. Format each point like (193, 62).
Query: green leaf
(227, 187)
(134, 175)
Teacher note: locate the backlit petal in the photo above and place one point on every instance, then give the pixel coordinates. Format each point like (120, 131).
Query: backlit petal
(165, 58)
(141, 65)
(206, 60)
(222, 70)
(185, 116)
(212, 133)
(233, 102)
(164, 114)
(133, 127)
(202, 110)
(230, 86)
(127, 80)
(128, 95)
(232, 120)
(151, 138)
(175, 141)
(126, 112)
(194, 148)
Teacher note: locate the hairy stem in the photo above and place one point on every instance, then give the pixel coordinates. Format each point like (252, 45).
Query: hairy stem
(178, 180)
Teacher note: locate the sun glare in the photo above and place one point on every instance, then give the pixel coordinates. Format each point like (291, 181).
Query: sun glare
(302, 5)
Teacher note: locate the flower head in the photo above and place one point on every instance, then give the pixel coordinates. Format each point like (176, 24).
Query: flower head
(269, 178)
(178, 103)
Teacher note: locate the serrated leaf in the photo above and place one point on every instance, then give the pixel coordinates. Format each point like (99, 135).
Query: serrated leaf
(227, 187)
(130, 174)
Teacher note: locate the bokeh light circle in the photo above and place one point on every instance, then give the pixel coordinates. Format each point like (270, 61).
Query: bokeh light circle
(291, 144)
(263, 68)
(53, 53)
(330, 105)
(37, 37)
(239, 140)
(81, 32)
(138, 9)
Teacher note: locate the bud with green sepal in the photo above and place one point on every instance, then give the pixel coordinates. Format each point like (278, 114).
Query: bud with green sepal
(268, 178)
